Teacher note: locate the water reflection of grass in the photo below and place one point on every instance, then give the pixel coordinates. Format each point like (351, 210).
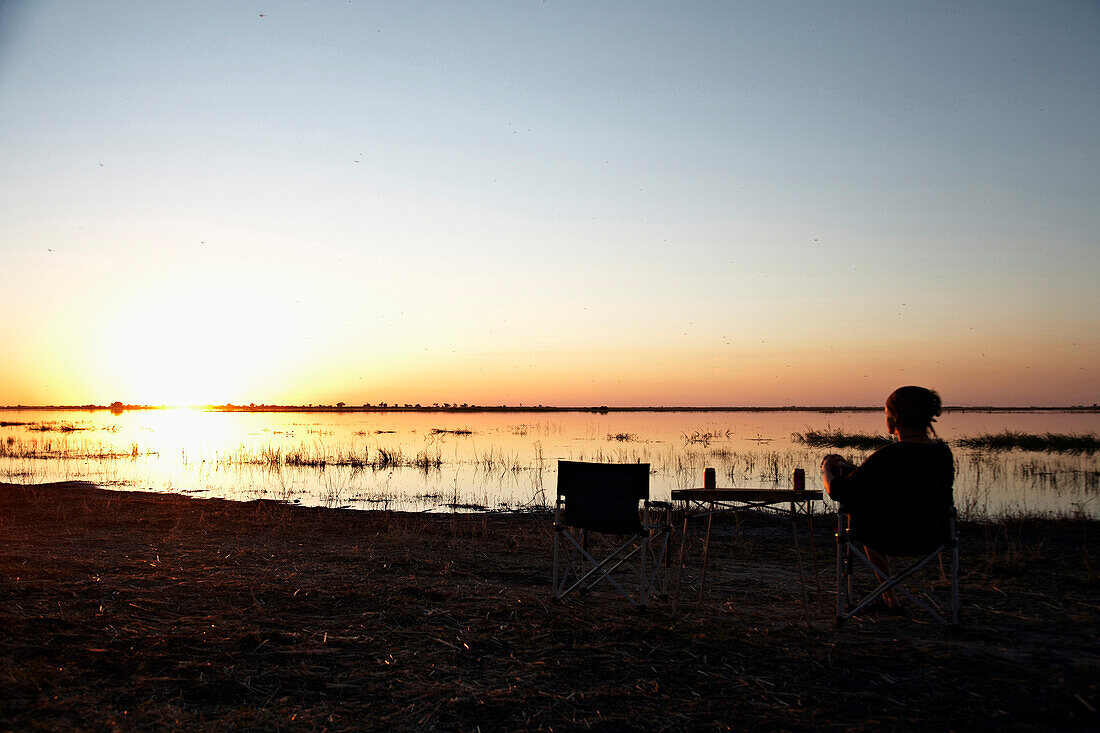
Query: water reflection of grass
(993, 485)
(1041, 443)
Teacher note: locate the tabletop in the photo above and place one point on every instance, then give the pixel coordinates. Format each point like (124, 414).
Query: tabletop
(777, 496)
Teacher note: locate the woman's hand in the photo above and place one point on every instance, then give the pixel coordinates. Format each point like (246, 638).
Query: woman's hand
(832, 466)
(831, 460)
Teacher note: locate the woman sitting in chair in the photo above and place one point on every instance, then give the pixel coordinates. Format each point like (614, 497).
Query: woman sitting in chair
(899, 499)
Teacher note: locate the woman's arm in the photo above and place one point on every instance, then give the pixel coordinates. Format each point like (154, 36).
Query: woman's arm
(834, 467)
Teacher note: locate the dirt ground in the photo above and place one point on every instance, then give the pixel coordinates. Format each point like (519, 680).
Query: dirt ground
(126, 611)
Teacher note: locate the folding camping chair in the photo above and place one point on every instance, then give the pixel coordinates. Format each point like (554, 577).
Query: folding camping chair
(940, 538)
(597, 513)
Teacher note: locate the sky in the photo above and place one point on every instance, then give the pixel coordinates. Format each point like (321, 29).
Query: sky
(560, 203)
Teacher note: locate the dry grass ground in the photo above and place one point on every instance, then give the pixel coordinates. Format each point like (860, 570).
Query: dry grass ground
(124, 611)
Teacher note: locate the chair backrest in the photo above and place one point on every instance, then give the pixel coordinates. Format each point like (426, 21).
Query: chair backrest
(909, 523)
(907, 508)
(602, 497)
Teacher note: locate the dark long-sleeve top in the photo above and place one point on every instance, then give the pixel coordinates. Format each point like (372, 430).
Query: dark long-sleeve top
(900, 497)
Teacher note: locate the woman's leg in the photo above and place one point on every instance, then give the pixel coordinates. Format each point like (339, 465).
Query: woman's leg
(882, 570)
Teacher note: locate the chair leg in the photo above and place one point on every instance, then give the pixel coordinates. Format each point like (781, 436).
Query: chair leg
(921, 595)
(566, 561)
(554, 580)
(842, 580)
(682, 557)
(798, 556)
(955, 584)
(645, 555)
(659, 562)
(583, 590)
(813, 548)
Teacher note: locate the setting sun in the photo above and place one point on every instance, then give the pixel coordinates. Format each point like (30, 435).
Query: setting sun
(191, 346)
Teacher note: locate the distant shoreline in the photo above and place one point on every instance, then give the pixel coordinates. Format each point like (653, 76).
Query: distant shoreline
(466, 409)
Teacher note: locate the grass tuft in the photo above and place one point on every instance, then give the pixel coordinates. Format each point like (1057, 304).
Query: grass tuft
(1076, 443)
(837, 438)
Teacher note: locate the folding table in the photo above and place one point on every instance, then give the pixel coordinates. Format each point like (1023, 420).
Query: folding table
(700, 503)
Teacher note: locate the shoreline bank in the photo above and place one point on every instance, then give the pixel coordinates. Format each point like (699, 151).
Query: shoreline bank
(130, 610)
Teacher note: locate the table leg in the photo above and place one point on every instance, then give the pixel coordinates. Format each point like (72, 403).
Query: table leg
(813, 548)
(706, 555)
(798, 554)
(680, 564)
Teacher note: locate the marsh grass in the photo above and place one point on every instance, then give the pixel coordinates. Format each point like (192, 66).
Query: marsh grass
(1072, 443)
(995, 486)
(426, 461)
(48, 427)
(496, 460)
(837, 438)
(12, 447)
(704, 437)
(318, 457)
(988, 482)
(1075, 443)
(772, 467)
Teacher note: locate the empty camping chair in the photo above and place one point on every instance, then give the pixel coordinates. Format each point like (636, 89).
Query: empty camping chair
(911, 541)
(606, 529)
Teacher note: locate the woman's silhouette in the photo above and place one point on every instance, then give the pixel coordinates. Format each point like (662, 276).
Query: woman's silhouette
(899, 498)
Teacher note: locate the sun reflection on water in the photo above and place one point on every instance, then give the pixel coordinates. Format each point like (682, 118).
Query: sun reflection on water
(437, 461)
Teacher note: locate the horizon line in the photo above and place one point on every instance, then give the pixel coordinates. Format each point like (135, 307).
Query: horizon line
(466, 407)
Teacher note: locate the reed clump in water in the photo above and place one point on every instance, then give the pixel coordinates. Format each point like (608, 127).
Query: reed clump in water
(837, 438)
(704, 437)
(12, 447)
(426, 461)
(1076, 443)
(317, 457)
(48, 427)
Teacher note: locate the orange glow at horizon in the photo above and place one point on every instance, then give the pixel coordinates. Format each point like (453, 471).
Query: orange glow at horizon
(731, 207)
(177, 349)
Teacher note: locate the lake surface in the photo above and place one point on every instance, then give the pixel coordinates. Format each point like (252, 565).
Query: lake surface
(438, 460)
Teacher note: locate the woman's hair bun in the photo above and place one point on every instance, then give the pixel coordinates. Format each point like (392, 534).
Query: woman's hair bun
(914, 407)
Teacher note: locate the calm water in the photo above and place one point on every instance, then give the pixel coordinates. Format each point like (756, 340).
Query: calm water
(431, 461)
